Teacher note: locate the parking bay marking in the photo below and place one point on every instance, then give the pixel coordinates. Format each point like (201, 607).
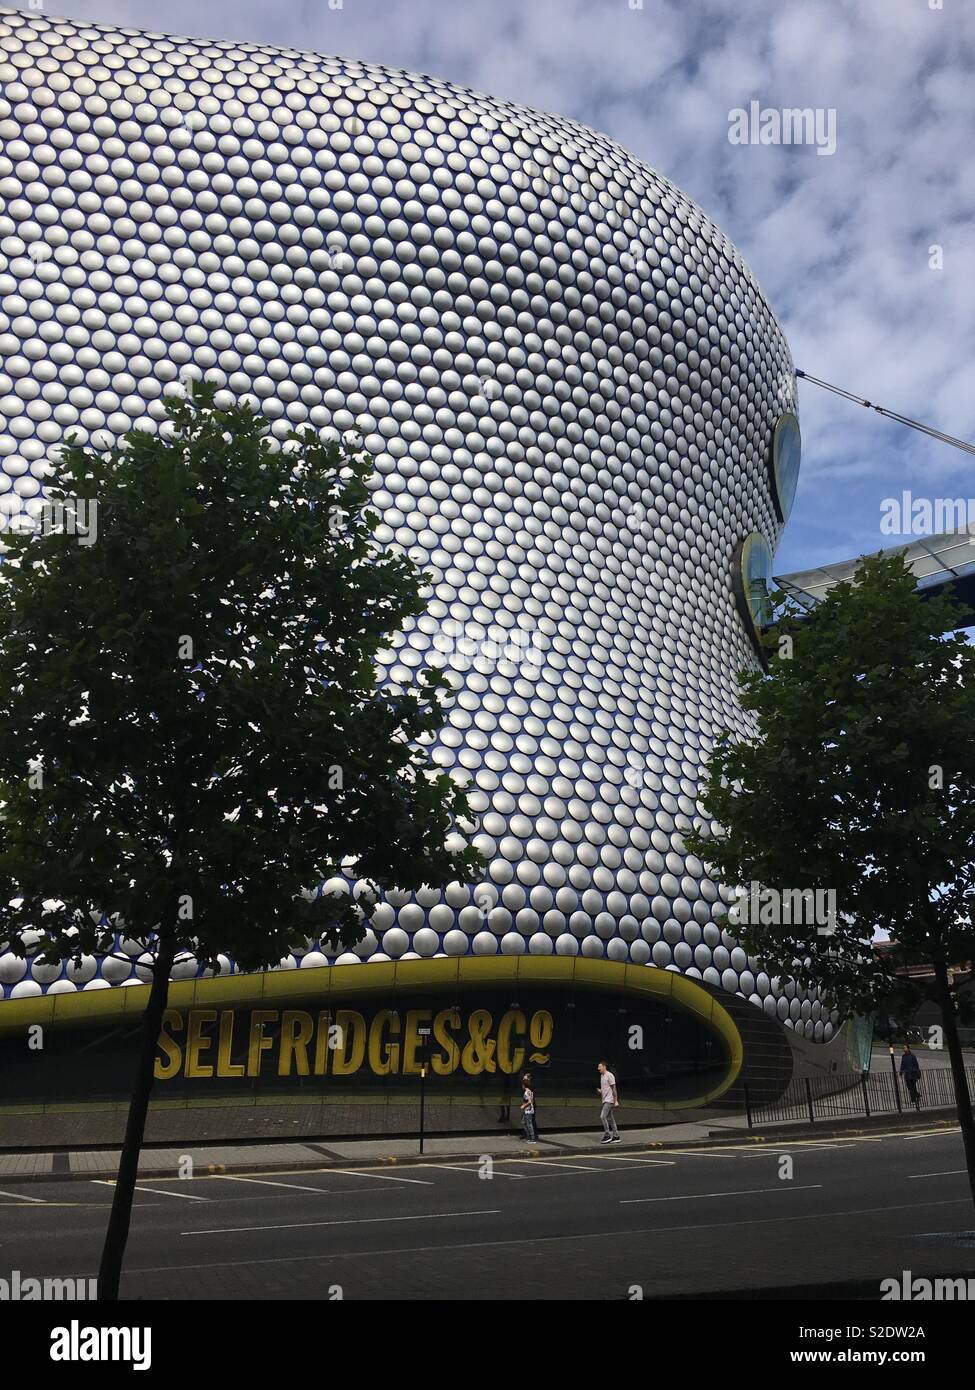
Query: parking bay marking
(473, 1168)
(158, 1192)
(291, 1186)
(382, 1177)
(634, 1158)
(554, 1163)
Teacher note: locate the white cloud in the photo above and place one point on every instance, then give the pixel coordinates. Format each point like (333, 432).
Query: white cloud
(839, 243)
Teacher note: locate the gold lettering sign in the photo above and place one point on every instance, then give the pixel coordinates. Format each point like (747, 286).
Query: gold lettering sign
(296, 1033)
(511, 1058)
(446, 1023)
(384, 1054)
(225, 1067)
(415, 1020)
(540, 1034)
(172, 1052)
(302, 1044)
(259, 1041)
(197, 1043)
(348, 1055)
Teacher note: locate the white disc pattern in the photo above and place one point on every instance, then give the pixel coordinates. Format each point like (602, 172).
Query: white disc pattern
(568, 378)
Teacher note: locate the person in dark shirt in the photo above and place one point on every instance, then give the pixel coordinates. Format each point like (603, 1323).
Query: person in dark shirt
(911, 1072)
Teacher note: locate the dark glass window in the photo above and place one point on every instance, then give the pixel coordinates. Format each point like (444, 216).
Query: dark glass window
(786, 456)
(753, 585)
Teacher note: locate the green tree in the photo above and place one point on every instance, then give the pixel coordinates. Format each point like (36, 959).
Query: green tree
(192, 739)
(859, 778)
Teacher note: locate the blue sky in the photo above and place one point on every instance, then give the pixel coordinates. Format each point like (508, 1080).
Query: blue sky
(839, 242)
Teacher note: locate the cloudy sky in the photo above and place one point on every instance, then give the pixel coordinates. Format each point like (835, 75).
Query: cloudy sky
(842, 243)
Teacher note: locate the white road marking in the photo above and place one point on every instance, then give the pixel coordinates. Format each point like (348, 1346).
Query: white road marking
(842, 1142)
(745, 1192)
(554, 1163)
(814, 1144)
(547, 1240)
(634, 1158)
(359, 1221)
(382, 1177)
(22, 1197)
(926, 1134)
(267, 1182)
(727, 1151)
(778, 1144)
(944, 1235)
(472, 1168)
(948, 1173)
(158, 1192)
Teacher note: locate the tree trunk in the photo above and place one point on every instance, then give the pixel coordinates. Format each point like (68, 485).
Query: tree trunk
(963, 1100)
(113, 1251)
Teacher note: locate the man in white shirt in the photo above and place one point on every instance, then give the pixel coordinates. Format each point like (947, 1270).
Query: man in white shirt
(610, 1102)
(528, 1108)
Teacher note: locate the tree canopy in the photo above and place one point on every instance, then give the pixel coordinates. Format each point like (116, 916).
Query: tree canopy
(859, 778)
(192, 733)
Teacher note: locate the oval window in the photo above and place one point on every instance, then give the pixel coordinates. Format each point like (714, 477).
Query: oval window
(786, 456)
(753, 586)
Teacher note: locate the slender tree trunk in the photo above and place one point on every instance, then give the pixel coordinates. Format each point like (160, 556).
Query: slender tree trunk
(113, 1251)
(963, 1100)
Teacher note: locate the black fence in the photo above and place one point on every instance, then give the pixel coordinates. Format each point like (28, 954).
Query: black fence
(857, 1095)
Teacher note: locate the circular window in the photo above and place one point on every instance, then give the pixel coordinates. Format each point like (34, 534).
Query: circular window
(786, 455)
(753, 586)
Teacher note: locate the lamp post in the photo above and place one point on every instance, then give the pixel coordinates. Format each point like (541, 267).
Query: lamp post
(893, 1067)
(424, 1034)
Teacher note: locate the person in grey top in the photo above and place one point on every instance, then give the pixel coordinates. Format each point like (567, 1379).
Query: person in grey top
(609, 1097)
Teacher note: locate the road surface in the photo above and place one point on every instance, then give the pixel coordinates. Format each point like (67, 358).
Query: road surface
(581, 1226)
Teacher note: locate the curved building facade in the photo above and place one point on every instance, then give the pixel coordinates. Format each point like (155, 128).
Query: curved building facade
(580, 405)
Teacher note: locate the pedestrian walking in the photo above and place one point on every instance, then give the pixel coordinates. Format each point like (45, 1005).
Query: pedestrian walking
(911, 1072)
(609, 1096)
(528, 1108)
(531, 1083)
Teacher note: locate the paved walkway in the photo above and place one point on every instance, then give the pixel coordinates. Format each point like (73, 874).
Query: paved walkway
(267, 1156)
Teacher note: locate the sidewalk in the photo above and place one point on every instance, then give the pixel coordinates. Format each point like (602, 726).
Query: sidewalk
(268, 1156)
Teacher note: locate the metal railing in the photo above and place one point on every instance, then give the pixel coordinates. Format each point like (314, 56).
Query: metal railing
(855, 1094)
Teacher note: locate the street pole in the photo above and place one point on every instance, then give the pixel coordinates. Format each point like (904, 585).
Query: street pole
(893, 1067)
(424, 1035)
